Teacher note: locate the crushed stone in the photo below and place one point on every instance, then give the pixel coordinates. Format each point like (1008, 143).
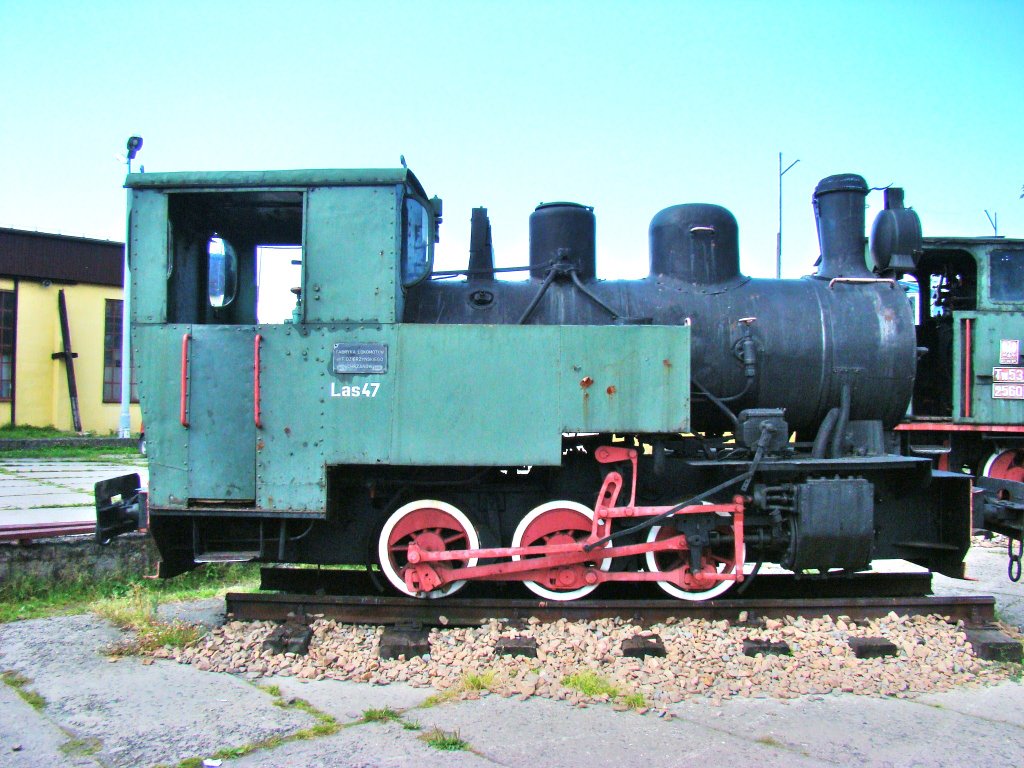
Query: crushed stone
(703, 658)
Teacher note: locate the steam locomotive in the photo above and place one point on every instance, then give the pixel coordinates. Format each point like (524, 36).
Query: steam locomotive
(560, 431)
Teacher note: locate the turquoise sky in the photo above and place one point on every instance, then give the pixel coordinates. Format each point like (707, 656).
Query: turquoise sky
(629, 107)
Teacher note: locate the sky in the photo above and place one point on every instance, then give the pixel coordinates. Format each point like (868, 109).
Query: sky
(629, 107)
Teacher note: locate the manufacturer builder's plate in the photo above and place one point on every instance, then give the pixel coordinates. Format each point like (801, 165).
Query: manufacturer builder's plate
(1008, 391)
(1008, 374)
(360, 357)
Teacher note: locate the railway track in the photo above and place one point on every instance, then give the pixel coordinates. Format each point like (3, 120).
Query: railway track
(350, 597)
(26, 533)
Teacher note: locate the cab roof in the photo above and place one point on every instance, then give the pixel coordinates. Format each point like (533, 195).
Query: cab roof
(303, 178)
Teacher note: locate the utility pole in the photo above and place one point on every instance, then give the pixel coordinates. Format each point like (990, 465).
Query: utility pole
(125, 424)
(778, 237)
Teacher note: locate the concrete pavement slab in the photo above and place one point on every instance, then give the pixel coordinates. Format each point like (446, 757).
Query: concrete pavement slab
(347, 701)
(857, 730)
(48, 515)
(59, 498)
(542, 733)
(29, 739)
(1003, 703)
(142, 714)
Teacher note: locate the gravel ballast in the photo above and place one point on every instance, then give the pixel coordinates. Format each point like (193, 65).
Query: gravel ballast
(702, 659)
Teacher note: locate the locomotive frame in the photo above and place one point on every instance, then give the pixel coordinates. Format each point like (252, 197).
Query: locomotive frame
(480, 429)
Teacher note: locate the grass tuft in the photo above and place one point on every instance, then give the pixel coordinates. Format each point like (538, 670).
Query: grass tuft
(446, 741)
(20, 684)
(590, 684)
(137, 612)
(483, 681)
(440, 698)
(383, 715)
(634, 700)
(81, 747)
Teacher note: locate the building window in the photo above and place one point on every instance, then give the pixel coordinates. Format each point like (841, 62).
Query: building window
(7, 315)
(112, 355)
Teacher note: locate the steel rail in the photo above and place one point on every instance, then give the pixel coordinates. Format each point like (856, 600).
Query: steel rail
(472, 611)
(45, 530)
(973, 610)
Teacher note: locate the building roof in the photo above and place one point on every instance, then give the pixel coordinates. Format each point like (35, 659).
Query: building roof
(44, 256)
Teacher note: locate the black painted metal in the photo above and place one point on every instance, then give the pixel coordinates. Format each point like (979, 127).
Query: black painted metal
(839, 210)
(896, 235)
(563, 232)
(697, 243)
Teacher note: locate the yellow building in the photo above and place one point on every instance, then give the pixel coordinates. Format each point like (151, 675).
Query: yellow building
(36, 270)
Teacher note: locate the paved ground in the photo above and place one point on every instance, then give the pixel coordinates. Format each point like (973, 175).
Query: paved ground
(130, 713)
(55, 490)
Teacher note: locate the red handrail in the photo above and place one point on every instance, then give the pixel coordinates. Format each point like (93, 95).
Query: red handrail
(965, 406)
(256, 381)
(184, 378)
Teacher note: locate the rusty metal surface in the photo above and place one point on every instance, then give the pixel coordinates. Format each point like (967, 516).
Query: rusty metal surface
(45, 530)
(859, 596)
(973, 610)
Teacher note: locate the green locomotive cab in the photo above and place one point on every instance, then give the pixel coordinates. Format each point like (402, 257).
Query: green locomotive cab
(968, 407)
(274, 366)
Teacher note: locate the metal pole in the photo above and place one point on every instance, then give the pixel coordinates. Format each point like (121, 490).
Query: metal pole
(778, 237)
(125, 424)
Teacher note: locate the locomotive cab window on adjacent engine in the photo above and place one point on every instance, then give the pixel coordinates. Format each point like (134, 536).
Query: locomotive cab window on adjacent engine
(1006, 275)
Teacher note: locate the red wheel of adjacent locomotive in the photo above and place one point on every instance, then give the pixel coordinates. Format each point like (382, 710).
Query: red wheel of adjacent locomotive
(696, 586)
(1006, 465)
(558, 522)
(434, 526)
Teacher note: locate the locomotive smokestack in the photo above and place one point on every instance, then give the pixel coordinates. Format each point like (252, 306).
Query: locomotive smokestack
(839, 211)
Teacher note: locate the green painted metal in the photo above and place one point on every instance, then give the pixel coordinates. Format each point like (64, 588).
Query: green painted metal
(534, 382)
(148, 254)
(640, 375)
(987, 329)
(351, 250)
(307, 422)
(222, 429)
(513, 373)
(981, 250)
(416, 414)
(157, 350)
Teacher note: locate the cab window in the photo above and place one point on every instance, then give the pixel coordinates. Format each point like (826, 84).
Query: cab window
(417, 243)
(1006, 275)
